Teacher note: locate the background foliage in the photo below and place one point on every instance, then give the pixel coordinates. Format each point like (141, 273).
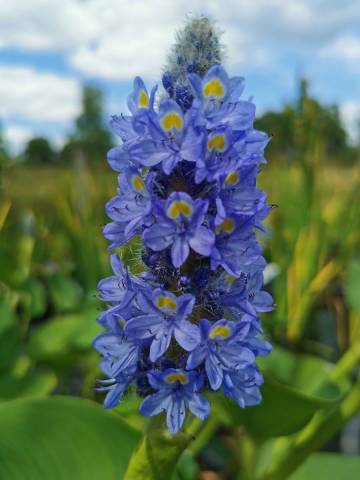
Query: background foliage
(52, 254)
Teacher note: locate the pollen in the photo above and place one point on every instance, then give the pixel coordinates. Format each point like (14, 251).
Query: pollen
(226, 226)
(143, 99)
(138, 183)
(222, 331)
(216, 142)
(177, 377)
(172, 120)
(232, 179)
(179, 207)
(166, 302)
(214, 88)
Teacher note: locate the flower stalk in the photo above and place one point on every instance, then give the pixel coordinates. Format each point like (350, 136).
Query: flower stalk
(189, 323)
(156, 456)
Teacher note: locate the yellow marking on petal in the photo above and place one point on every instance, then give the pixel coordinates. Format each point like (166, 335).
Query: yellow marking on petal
(138, 183)
(232, 179)
(226, 226)
(216, 142)
(177, 377)
(143, 99)
(166, 302)
(222, 331)
(172, 120)
(213, 88)
(179, 207)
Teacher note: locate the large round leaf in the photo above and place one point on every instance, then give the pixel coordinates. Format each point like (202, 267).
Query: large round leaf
(62, 439)
(329, 466)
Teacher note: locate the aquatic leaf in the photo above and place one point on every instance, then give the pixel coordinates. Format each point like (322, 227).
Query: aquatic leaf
(62, 438)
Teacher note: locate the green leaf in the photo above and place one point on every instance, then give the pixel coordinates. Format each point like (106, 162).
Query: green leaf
(35, 384)
(65, 293)
(34, 298)
(7, 317)
(352, 286)
(64, 334)
(9, 347)
(305, 373)
(295, 387)
(16, 256)
(62, 438)
(187, 468)
(329, 466)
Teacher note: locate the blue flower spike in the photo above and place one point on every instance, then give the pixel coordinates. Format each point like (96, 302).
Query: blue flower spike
(188, 166)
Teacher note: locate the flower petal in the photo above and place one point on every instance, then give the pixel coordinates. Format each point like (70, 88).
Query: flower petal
(159, 346)
(143, 326)
(214, 372)
(158, 236)
(175, 415)
(203, 241)
(196, 357)
(187, 335)
(179, 251)
(154, 404)
(199, 406)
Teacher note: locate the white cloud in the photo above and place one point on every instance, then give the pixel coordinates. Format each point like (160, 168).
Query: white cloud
(346, 47)
(117, 39)
(16, 137)
(44, 24)
(44, 97)
(133, 38)
(350, 115)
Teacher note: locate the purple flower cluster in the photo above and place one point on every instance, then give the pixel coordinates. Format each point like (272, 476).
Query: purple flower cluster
(187, 186)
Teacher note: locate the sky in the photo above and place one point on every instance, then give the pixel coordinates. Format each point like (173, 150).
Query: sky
(49, 48)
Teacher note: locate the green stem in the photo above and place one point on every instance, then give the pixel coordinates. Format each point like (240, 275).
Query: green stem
(246, 450)
(347, 363)
(204, 434)
(319, 430)
(156, 456)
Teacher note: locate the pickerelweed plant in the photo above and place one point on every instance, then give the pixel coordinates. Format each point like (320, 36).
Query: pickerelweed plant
(187, 168)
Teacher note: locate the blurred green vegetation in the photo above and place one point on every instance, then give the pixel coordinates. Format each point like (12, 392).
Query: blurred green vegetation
(52, 254)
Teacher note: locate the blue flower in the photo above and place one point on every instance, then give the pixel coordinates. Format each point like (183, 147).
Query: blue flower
(243, 386)
(121, 287)
(220, 150)
(239, 202)
(188, 167)
(121, 353)
(217, 100)
(131, 128)
(172, 138)
(221, 349)
(237, 251)
(130, 209)
(216, 86)
(176, 390)
(260, 300)
(139, 97)
(179, 224)
(164, 316)
(116, 384)
(244, 296)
